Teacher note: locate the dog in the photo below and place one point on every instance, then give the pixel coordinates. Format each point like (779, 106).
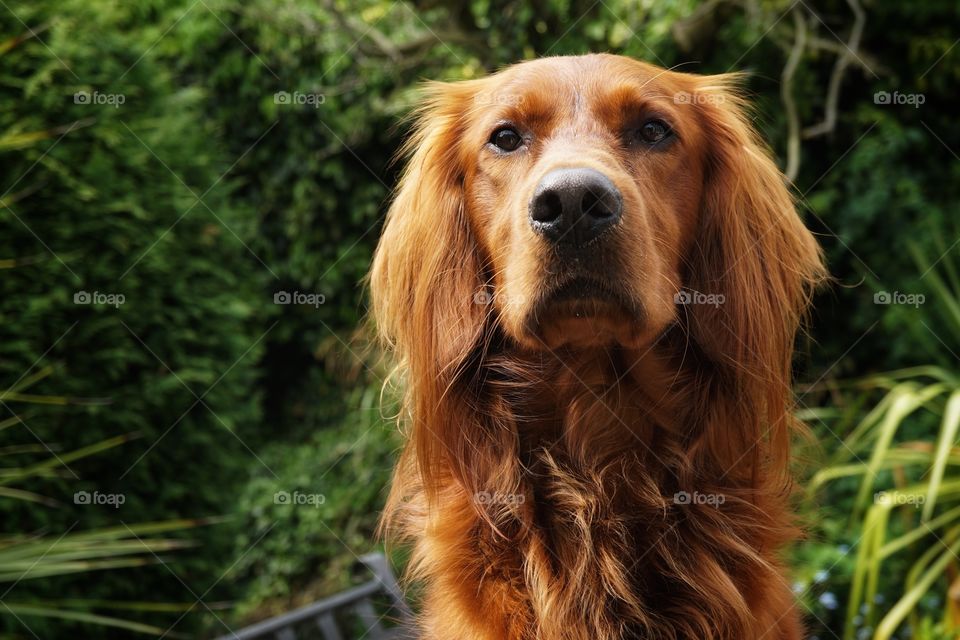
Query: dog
(592, 275)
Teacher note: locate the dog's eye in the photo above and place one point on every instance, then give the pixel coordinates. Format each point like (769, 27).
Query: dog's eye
(506, 139)
(654, 131)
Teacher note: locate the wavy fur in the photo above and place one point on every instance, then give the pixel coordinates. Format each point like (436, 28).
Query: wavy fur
(537, 488)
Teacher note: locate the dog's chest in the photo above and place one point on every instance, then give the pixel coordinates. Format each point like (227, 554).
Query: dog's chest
(609, 545)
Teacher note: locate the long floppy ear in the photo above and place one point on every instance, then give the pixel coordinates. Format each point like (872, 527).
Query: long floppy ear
(754, 251)
(426, 279)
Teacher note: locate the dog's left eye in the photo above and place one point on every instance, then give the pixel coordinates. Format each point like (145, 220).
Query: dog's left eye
(506, 139)
(654, 131)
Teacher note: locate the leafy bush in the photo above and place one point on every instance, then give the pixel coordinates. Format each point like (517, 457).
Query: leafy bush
(26, 558)
(902, 453)
(105, 157)
(303, 529)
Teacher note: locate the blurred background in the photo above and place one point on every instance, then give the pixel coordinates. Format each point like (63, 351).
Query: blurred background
(192, 431)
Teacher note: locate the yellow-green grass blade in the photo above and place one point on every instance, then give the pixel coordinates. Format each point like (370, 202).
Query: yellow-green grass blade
(28, 610)
(903, 404)
(860, 566)
(950, 268)
(810, 414)
(46, 570)
(45, 467)
(896, 457)
(865, 430)
(873, 553)
(14, 396)
(948, 434)
(9, 422)
(907, 603)
(87, 546)
(33, 378)
(914, 535)
(865, 426)
(147, 528)
(58, 551)
(132, 605)
(946, 297)
(28, 496)
(889, 379)
(917, 569)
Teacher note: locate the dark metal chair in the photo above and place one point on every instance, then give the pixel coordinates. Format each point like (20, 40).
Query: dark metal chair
(348, 615)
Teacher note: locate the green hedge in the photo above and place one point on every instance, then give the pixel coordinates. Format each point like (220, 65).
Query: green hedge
(104, 203)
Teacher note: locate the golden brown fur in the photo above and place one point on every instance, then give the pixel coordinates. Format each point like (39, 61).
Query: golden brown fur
(548, 437)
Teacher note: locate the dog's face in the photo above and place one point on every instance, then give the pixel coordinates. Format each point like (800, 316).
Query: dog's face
(583, 195)
(591, 201)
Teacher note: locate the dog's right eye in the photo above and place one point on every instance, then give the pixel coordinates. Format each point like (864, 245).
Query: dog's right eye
(506, 139)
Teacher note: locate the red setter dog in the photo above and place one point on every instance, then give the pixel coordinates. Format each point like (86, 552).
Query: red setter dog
(592, 276)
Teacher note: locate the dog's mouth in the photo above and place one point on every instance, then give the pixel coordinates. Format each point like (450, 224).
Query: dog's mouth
(583, 312)
(582, 298)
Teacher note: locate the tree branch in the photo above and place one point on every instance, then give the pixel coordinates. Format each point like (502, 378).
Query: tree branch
(786, 94)
(848, 53)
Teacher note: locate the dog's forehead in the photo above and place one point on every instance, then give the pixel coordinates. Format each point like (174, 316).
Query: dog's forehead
(586, 73)
(569, 87)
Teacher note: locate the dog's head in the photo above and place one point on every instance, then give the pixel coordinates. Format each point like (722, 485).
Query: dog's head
(579, 203)
(589, 201)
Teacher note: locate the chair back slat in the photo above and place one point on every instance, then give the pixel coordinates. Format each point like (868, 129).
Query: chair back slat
(355, 604)
(328, 627)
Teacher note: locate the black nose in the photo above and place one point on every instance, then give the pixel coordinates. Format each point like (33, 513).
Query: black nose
(574, 206)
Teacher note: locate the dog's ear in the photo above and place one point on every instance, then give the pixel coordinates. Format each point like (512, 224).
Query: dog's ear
(755, 256)
(425, 283)
(426, 272)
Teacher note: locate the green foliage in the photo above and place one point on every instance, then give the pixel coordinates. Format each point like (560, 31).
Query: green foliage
(104, 199)
(909, 533)
(301, 529)
(31, 557)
